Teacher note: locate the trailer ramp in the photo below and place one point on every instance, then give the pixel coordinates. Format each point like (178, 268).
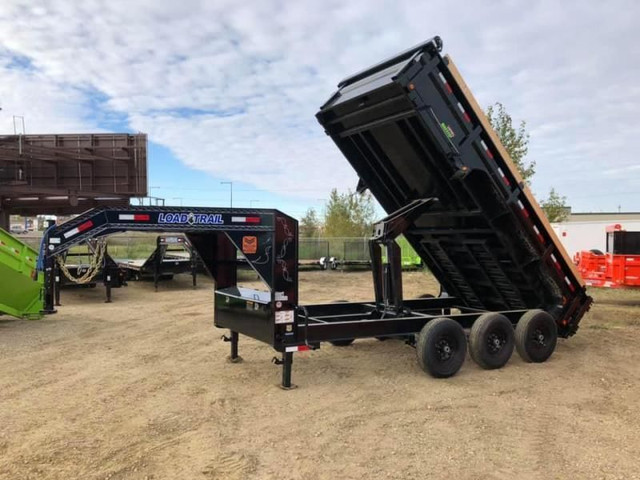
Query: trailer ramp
(20, 284)
(412, 130)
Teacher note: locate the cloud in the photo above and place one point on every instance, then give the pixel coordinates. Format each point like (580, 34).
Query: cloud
(232, 87)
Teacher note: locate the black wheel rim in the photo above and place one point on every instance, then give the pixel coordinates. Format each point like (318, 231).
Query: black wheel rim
(496, 340)
(445, 347)
(540, 337)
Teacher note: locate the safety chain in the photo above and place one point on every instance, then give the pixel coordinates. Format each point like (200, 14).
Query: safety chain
(95, 262)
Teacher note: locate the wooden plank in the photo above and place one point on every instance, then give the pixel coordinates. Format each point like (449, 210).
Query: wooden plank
(510, 164)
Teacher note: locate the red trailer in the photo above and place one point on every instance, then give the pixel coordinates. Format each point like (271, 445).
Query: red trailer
(618, 267)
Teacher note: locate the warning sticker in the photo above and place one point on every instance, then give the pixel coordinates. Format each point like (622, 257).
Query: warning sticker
(284, 316)
(249, 245)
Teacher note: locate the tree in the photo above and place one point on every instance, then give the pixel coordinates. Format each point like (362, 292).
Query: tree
(555, 207)
(348, 214)
(310, 224)
(515, 141)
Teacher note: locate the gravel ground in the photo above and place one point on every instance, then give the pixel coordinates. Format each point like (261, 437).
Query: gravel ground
(140, 389)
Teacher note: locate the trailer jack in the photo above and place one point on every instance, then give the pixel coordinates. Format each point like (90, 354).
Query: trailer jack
(233, 357)
(286, 361)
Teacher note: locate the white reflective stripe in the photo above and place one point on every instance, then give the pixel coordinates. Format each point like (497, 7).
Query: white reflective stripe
(54, 240)
(125, 217)
(298, 348)
(239, 219)
(71, 233)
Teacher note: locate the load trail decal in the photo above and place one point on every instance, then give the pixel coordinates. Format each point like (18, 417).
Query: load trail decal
(191, 218)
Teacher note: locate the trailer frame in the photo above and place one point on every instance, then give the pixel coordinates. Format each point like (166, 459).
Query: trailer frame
(273, 316)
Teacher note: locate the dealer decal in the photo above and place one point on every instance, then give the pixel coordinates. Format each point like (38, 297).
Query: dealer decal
(249, 245)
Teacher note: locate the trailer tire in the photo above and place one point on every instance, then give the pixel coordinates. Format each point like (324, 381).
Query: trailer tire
(491, 340)
(595, 251)
(441, 347)
(536, 336)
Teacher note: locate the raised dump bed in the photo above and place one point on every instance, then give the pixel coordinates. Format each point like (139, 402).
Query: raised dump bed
(20, 284)
(413, 131)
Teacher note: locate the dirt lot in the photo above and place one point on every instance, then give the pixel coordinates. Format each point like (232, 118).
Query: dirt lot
(140, 389)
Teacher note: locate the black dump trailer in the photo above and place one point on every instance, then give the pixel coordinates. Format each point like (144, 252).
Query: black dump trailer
(173, 255)
(419, 142)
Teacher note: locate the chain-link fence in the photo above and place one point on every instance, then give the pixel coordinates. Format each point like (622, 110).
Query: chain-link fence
(312, 248)
(355, 250)
(139, 245)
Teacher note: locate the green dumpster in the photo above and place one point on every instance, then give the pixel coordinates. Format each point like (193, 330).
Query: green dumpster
(20, 283)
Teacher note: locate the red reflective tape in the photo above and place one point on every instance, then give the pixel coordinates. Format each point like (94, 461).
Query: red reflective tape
(466, 117)
(303, 348)
(85, 226)
(252, 220)
(489, 154)
(141, 217)
(525, 212)
(448, 88)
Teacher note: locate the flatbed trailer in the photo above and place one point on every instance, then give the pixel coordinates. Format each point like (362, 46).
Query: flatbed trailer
(419, 142)
(355, 254)
(313, 253)
(173, 255)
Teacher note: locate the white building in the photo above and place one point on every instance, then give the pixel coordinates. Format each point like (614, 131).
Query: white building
(587, 231)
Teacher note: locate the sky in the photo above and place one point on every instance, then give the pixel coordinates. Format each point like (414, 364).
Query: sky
(227, 91)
